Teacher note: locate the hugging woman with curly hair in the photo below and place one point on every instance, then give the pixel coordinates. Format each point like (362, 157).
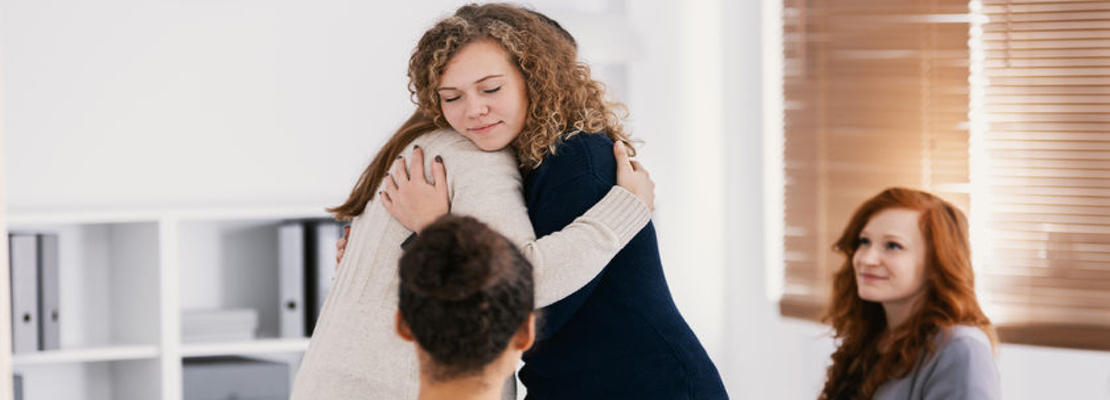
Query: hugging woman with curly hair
(904, 309)
(500, 93)
(620, 336)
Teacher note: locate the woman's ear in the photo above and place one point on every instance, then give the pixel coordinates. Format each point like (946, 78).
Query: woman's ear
(403, 328)
(526, 335)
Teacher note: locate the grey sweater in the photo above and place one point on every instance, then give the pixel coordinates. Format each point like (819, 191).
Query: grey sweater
(963, 368)
(355, 352)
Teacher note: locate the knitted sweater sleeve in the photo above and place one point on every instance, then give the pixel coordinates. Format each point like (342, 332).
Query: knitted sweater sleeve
(488, 186)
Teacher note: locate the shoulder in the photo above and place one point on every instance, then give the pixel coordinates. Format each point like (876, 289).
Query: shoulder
(587, 141)
(581, 155)
(446, 140)
(585, 147)
(963, 348)
(964, 339)
(963, 366)
(441, 138)
(460, 151)
(468, 167)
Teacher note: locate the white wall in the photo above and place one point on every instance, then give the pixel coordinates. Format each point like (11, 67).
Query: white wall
(123, 102)
(205, 102)
(723, 296)
(672, 92)
(5, 291)
(193, 102)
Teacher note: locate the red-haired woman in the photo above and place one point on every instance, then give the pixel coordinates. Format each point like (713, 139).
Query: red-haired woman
(904, 309)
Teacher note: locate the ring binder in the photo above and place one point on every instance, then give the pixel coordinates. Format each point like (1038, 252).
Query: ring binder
(24, 262)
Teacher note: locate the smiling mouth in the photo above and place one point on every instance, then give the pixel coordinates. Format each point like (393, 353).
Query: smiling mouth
(870, 277)
(484, 128)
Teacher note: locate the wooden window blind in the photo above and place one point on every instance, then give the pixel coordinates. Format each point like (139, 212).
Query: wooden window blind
(1045, 178)
(878, 94)
(875, 95)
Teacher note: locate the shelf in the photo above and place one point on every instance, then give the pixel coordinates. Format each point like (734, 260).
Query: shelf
(93, 354)
(107, 377)
(260, 346)
(23, 217)
(125, 277)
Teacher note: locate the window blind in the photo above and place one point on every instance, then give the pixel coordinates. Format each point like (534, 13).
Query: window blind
(875, 95)
(1045, 180)
(878, 94)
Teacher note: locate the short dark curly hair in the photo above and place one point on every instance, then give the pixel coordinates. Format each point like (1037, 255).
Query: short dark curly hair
(465, 291)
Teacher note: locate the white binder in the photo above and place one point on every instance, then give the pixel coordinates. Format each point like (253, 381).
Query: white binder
(24, 280)
(50, 334)
(291, 263)
(307, 264)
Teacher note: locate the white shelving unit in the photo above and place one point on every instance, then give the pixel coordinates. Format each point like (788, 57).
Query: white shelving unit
(127, 276)
(93, 354)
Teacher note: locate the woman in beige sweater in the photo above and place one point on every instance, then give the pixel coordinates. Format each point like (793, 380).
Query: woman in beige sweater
(355, 352)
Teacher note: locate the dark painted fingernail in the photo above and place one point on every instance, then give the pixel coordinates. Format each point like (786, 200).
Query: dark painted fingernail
(439, 159)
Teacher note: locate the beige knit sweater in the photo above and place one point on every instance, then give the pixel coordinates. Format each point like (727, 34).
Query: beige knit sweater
(355, 352)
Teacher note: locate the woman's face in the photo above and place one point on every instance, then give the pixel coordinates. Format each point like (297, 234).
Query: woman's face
(890, 260)
(483, 95)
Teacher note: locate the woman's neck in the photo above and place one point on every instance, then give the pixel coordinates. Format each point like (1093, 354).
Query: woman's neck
(469, 388)
(898, 312)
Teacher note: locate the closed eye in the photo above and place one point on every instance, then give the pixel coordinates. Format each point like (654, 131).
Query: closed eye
(450, 99)
(494, 90)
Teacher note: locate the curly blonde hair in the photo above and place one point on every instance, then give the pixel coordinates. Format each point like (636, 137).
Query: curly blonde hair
(562, 98)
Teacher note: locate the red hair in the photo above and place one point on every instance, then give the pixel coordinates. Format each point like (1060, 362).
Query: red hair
(858, 367)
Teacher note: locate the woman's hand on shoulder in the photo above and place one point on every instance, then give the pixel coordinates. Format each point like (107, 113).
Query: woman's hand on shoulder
(633, 177)
(411, 199)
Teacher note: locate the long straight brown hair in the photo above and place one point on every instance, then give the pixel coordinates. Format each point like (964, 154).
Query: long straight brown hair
(858, 367)
(417, 124)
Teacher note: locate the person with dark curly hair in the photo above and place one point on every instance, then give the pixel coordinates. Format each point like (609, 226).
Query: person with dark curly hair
(466, 302)
(620, 336)
(904, 309)
(354, 352)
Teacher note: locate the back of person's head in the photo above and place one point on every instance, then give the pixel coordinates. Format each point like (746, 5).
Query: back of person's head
(949, 296)
(465, 293)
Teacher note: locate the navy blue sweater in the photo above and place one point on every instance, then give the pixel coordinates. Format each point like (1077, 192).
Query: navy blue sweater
(620, 336)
